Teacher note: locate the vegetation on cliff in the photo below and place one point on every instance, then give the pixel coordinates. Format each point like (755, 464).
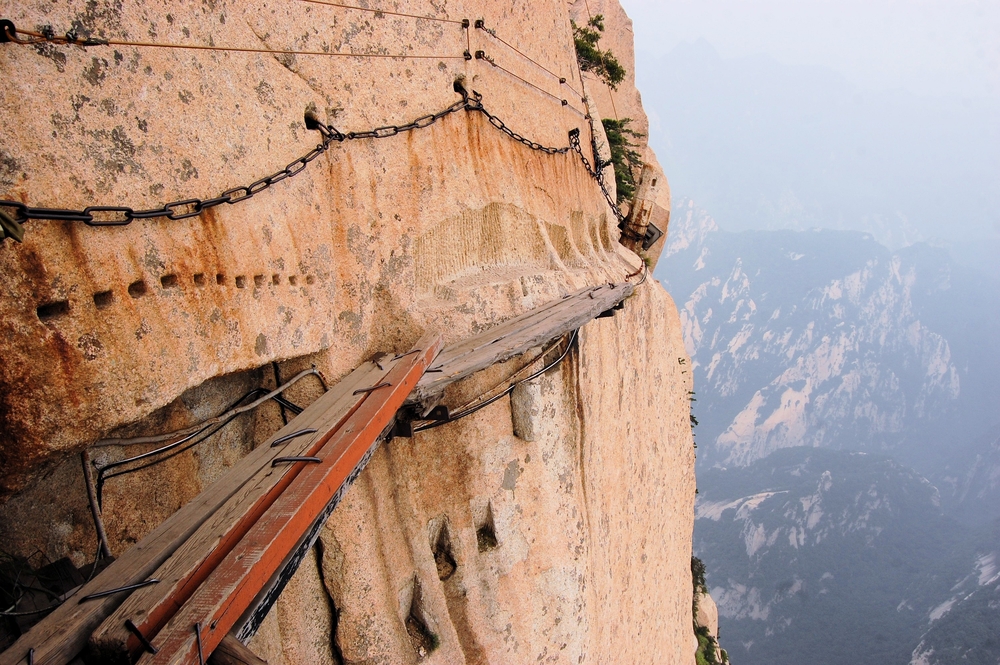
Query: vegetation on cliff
(591, 58)
(708, 652)
(624, 155)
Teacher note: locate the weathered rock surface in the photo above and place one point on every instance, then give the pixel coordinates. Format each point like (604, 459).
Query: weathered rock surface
(571, 547)
(708, 614)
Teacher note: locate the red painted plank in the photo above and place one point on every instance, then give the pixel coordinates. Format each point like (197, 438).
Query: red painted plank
(220, 602)
(150, 609)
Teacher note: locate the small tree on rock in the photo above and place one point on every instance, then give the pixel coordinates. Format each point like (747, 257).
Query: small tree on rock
(603, 64)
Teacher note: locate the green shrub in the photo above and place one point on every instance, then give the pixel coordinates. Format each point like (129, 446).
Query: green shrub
(698, 575)
(705, 655)
(591, 58)
(623, 155)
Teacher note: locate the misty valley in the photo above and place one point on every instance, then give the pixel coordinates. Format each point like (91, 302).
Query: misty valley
(848, 443)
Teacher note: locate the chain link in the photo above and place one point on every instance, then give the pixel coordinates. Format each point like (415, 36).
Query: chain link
(14, 213)
(597, 174)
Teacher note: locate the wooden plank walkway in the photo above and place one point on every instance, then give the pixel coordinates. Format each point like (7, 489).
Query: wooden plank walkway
(219, 603)
(515, 336)
(224, 558)
(61, 636)
(149, 608)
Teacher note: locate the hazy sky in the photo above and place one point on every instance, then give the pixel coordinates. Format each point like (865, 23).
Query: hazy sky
(873, 115)
(950, 46)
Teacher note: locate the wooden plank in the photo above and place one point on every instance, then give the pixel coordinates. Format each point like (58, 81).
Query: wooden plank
(232, 652)
(224, 597)
(251, 620)
(532, 329)
(535, 332)
(254, 616)
(150, 608)
(59, 637)
(497, 332)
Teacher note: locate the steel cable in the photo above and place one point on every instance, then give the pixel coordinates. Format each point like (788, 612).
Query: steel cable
(481, 55)
(13, 34)
(193, 429)
(481, 25)
(469, 410)
(463, 23)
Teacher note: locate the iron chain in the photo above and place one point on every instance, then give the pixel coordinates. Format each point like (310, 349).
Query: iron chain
(597, 174)
(14, 213)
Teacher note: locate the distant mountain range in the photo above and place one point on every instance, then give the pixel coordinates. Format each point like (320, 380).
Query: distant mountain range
(848, 445)
(827, 556)
(966, 627)
(827, 338)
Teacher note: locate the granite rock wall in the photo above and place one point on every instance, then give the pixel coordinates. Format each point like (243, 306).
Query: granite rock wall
(152, 326)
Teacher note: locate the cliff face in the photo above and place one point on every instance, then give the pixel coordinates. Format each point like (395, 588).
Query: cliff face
(138, 329)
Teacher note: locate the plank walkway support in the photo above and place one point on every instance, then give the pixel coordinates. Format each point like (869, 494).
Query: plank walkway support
(62, 635)
(232, 652)
(148, 609)
(219, 603)
(225, 557)
(515, 336)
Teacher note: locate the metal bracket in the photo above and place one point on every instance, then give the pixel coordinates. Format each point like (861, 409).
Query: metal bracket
(110, 592)
(652, 235)
(293, 435)
(294, 458)
(146, 644)
(361, 391)
(403, 427)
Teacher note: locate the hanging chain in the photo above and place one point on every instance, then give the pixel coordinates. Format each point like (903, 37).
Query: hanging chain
(475, 103)
(14, 213)
(597, 174)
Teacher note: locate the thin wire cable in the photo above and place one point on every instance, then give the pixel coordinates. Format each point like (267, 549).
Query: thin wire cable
(382, 11)
(95, 508)
(174, 448)
(469, 411)
(277, 382)
(102, 476)
(645, 274)
(59, 599)
(561, 101)
(492, 33)
(38, 38)
(510, 378)
(159, 438)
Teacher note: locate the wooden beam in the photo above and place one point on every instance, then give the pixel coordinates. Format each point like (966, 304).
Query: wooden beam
(229, 591)
(58, 638)
(232, 652)
(149, 608)
(515, 336)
